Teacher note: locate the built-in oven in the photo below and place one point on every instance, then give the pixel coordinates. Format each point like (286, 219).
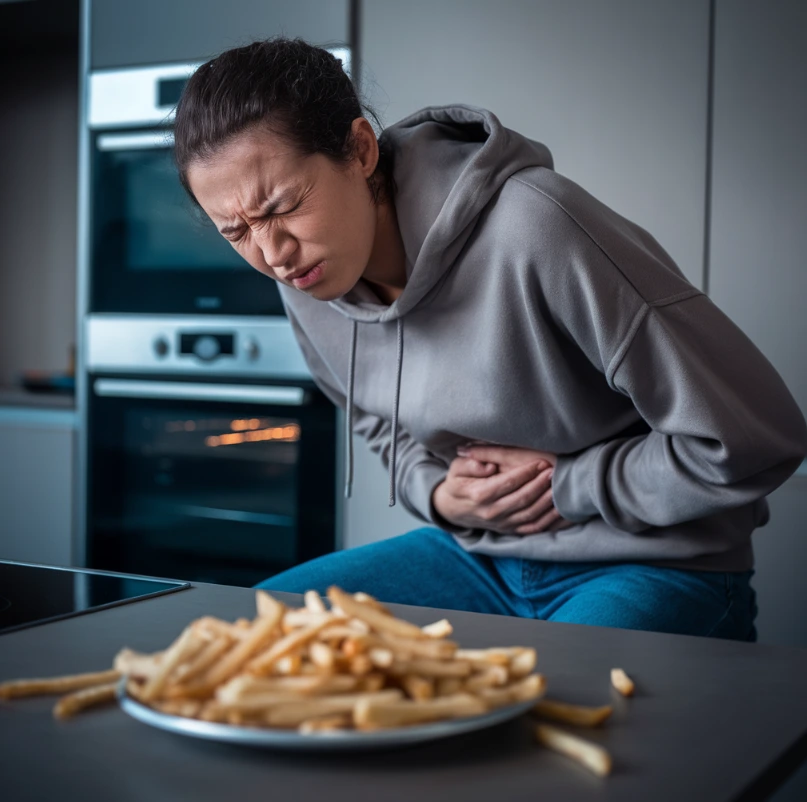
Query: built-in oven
(214, 462)
(151, 250)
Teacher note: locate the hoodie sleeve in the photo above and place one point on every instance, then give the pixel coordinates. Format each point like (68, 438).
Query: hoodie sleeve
(418, 470)
(725, 429)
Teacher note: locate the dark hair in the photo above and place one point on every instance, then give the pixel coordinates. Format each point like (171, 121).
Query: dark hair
(300, 92)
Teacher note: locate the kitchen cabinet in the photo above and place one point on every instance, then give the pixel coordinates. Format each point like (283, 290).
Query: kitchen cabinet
(36, 484)
(161, 31)
(617, 90)
(756, 267)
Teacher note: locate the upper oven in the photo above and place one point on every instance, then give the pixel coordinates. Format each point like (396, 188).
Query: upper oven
(152, 251)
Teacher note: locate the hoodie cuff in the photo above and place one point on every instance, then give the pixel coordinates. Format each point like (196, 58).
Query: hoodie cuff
(571, 485)
(420, 485)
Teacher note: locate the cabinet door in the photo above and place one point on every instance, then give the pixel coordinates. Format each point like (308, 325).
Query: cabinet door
(757, 269)
(124, 33)
(36, 485)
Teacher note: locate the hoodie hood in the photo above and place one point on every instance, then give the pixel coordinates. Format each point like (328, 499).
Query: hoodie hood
(448, 162)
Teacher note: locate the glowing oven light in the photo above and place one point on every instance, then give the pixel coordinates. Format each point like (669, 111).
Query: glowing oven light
(282, 434)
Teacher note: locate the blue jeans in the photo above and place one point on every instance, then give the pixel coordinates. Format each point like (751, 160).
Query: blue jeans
(428, 568)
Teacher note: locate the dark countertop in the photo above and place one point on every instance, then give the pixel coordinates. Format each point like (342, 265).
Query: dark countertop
(17, 397)
(711, 720)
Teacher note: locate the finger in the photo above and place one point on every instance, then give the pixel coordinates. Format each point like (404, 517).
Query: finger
(502, 484)
(472, 467)
(524, 502)
(540, 506)
(561, 523)
(541, 525)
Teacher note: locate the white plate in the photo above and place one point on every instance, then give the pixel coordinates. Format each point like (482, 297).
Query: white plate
(338, 740)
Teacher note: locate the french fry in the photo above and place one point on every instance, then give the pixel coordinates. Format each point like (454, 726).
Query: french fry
(448, 686)
(489, 677)
(523, 663)
(382, 622)
(372, 714)
(572, 714)
(588, 754)
(366, 598)
(267, 606)
(430, 668)
(325, 724)
(481, 658)
(292, 714)
(313, 602)
(291, 664)
(211, 652)
(258, 637)
(184, 647)
(135, 664)
(418, 647)
(381, 658)
(522, 690)
(419, 688)
(293, 640)
(622, 682)
(88, 697)
(56, 685)
(322, 655)
(439, 629)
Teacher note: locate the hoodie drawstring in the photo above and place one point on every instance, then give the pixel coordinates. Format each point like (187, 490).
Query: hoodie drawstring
(351, 376)
(395, 406)
(351, 372)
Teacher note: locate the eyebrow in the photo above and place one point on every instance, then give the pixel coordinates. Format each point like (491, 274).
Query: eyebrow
(267, 207)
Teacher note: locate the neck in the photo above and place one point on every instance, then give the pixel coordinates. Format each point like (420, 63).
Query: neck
(386, 270)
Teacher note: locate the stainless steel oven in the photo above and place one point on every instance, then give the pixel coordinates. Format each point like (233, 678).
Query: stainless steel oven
(209, 476)
(151, 251)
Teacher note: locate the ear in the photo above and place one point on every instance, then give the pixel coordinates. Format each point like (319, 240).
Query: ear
(366, 145)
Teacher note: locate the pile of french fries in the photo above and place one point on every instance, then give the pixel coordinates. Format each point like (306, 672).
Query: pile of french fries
(351, 665)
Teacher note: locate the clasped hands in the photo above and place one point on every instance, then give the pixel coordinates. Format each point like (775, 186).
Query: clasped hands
(500, 488)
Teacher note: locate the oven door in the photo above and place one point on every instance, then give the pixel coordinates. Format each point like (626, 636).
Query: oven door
(152, 250)
(212, 482)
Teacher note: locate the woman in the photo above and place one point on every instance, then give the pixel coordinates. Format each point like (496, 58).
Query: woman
(589, 436)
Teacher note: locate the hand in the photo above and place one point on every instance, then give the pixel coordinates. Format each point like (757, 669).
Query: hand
(476, 494)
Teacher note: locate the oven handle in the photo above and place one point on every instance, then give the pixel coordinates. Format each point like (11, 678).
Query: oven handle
(146, 141)
(189, 391)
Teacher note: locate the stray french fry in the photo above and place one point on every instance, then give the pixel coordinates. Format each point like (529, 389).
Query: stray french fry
(588, 754)
(622, 682)
(89, 697)
(371, 714)
(572, 714)
(55, 685)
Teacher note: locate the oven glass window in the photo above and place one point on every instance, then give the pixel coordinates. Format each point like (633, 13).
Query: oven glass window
(148, 223)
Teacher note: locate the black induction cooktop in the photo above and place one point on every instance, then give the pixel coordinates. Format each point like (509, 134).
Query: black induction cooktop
(36, 594)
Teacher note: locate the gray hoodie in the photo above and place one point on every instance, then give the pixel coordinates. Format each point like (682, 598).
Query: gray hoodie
(535, 316)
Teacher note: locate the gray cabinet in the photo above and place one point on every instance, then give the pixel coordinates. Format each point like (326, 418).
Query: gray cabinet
(36, 486)
(161, 31)
(617, 90)
(757, 269)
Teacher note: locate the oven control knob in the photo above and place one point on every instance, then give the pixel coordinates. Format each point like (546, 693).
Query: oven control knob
(253, 350)
(207, 348)
(161, 347)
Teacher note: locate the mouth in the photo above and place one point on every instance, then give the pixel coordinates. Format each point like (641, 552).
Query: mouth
(307, 276)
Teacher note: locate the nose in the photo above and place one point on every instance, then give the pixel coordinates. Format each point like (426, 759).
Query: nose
(276, 245)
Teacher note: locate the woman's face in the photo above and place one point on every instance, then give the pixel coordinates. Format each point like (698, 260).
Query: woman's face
(302, 220)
